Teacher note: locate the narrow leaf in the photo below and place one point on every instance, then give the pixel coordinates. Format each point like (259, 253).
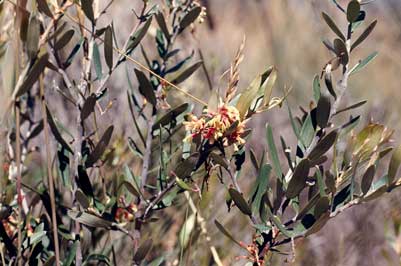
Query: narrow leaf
(108, 47)
(145, 87)
(333, 26)
(100, 147)
(240, 202)
(298, 179)
(364, 35)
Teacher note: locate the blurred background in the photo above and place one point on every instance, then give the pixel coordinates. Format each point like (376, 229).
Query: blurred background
(287, 34)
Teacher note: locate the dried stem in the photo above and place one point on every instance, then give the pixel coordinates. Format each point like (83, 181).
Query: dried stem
(202, 223)
(19, 189)
(49, 172)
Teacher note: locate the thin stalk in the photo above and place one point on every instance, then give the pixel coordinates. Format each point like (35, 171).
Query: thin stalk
(49, 172)
(19, 189)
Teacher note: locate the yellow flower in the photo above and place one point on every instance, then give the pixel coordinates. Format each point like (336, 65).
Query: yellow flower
(224, 125)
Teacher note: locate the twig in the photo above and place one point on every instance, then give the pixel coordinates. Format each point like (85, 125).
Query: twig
(49, 172)
(19, 189)
(204, 231)
(148, 149)
(157, 199)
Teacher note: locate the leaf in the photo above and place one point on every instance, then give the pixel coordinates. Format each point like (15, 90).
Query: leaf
(298, 179)
(361, 64)
(170, 116)
(394, 165)
(356, 105)
(97, 62)
(270, 80)
(364, 35)
(307, 132)
(137, 37)
(273, 152)
(82, 199)
(226, 233)
(131, 188)
(44, 8)
(322, 206)
(190, 17)
(278, 224)
(218, 159)
(261, 186)
(332, 25)
(145, 87)
(84, 182)
(88, 107)
(56, 132)
(86, 6)
(73, 53)
(108, 47)
(240, 202)
(89, 219)
(186, 230)
(316, 88)
(32, 76)
(182, 184)
(367, 179)
(185, 168)
(97, 257)
(143, 250)
(323, 145)
(330, 182)
(64, 39)
(353, 10)
(71, 254)
(161, 21)
(323, 111)
(341, 51)
(100, 147)
(186, 73)
(329, 84)
(248, 96)
(32, 41)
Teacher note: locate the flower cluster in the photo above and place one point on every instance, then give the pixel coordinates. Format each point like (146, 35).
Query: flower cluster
(224, 125)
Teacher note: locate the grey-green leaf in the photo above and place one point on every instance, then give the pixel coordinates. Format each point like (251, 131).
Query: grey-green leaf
(240, 202)
(364, 35)
(143, 250)
(273, 155)
(100, 147)
(88, 9)
(64, 39)
(89, 219)
(145, 87)
(32, 41)
(186, 73)
(298, 179)
(190, 17)
(323, 145)
(323, 111)
(367, 178)
(108, 47)
(88, 107)
(44, 8)
(226, 233)
(333, 26)
(353, 10)
(394, 165)
(363, 63)
(33, 75)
